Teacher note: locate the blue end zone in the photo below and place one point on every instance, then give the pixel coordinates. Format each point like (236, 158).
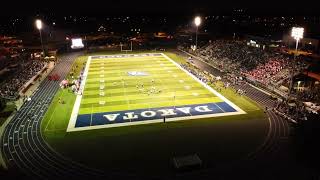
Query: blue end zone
(225, 107)
(151, 114)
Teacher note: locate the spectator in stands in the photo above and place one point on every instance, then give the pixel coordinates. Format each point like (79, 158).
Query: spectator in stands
(11, 86)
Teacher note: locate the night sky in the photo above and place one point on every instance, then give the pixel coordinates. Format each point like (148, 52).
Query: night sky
(123, 7)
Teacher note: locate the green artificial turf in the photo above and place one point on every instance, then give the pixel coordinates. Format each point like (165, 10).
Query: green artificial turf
(165, 85)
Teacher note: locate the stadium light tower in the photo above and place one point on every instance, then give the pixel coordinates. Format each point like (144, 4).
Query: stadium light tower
(39, 27)
(197, 22)
(297, 34)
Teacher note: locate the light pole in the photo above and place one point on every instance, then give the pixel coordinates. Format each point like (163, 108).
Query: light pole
(39, 27)
(297, 34)
(197, 22)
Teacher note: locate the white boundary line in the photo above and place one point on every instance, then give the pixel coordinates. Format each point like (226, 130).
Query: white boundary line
(76, 106)
(72, 121)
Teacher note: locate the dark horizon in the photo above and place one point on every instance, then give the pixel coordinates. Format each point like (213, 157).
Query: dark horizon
(164, 7)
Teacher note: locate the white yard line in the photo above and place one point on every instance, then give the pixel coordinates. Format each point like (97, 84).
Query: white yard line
(124, 90)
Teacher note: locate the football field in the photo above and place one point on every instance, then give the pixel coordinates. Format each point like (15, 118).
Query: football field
(130, 89)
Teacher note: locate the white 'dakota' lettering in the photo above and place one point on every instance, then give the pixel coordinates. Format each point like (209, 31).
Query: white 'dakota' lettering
(202, 109)
(151, 114)
(185, 110)
(167, 112)
(130, 115)
(111, 117)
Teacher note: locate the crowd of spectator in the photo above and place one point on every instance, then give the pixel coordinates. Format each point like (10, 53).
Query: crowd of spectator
(276, 70)
(263, 65)
(264, 72)
(24, 72)
(267, 66)
(296, 111)
(309, 95)
(5, 62)
(303, 105)
(232, 56)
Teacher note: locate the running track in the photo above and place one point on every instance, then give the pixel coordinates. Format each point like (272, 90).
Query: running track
(22, 143)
